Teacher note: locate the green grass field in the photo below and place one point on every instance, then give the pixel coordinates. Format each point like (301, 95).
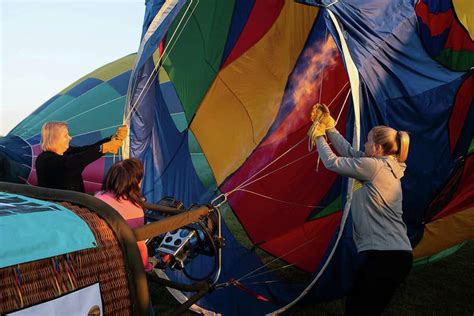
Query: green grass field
(441, 288)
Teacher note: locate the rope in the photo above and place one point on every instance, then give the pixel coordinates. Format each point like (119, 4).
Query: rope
(314, 126)
(343, 105)
(266, 272)
(249, 180)
(166, 52)
(268, 174)
(261, 282)
(94, 108)
(97, 130)
(278, 200)
(32, 124)
(240, 286)
(146, 88)
(251, 273)
(322, 70)
(222, 198)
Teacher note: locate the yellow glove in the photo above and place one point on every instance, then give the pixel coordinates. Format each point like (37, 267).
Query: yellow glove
(121, 133)
(316, 130)
(317, 113)
(327, 119)
(112, 146)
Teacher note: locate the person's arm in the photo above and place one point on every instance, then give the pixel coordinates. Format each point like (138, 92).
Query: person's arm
(76, 150)
(148, 266)
(341, 145)
(81, 159)
(358, 168)
(100, 142)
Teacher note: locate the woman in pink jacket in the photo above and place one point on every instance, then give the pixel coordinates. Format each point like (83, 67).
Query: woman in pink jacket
(121, 190)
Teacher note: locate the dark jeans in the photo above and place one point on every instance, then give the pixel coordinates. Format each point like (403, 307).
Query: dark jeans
(377, 280)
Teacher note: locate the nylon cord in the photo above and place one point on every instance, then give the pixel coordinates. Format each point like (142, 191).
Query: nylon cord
(165, 52)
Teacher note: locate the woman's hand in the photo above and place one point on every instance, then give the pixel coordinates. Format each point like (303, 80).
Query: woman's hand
(121, 133)
(320, 112)
(327, 119)
(112, 146)
(319, 130)
(317, 113)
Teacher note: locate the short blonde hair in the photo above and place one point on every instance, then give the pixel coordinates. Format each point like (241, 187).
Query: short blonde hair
(49, 134)
(393, 142)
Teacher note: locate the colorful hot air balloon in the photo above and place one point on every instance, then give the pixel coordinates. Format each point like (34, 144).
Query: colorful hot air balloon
(93, 108)
(218, 107)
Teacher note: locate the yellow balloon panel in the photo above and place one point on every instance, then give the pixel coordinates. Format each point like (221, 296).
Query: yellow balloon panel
(465, 12)
(163, 75)
(243, 101)
(454, 229)
(227, 126)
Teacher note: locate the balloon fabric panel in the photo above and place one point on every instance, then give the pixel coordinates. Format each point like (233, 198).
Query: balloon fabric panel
(462, 114)
(268, 183)
(261, 19)
(206, 34)
(465, 11)
(451, 214)
(446, 33)
(252, 86)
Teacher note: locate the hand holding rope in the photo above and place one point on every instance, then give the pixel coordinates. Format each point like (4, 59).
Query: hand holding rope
(322, 121)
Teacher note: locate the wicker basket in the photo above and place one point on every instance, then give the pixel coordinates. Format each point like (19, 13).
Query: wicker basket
(34, 282)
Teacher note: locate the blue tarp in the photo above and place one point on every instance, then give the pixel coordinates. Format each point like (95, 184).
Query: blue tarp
(32, 229)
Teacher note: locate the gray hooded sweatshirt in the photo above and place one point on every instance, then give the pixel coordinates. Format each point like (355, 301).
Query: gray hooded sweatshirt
(377, 198)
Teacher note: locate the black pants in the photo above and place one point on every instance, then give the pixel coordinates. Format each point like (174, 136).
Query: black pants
(377, 280)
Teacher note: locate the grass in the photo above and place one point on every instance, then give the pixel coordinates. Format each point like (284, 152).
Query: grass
(441, 288)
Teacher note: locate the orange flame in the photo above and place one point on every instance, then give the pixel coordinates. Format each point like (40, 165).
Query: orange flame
(307, 85)
(309, 81)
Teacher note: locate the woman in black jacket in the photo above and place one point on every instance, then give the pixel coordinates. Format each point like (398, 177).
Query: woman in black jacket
(60, 166)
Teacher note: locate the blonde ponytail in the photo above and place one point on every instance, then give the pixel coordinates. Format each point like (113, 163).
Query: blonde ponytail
(404, 143)
(392, 142)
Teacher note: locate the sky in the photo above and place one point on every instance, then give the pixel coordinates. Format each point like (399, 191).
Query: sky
(46, 45)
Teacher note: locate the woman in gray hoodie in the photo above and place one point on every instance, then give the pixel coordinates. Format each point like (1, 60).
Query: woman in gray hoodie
(378, 228)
